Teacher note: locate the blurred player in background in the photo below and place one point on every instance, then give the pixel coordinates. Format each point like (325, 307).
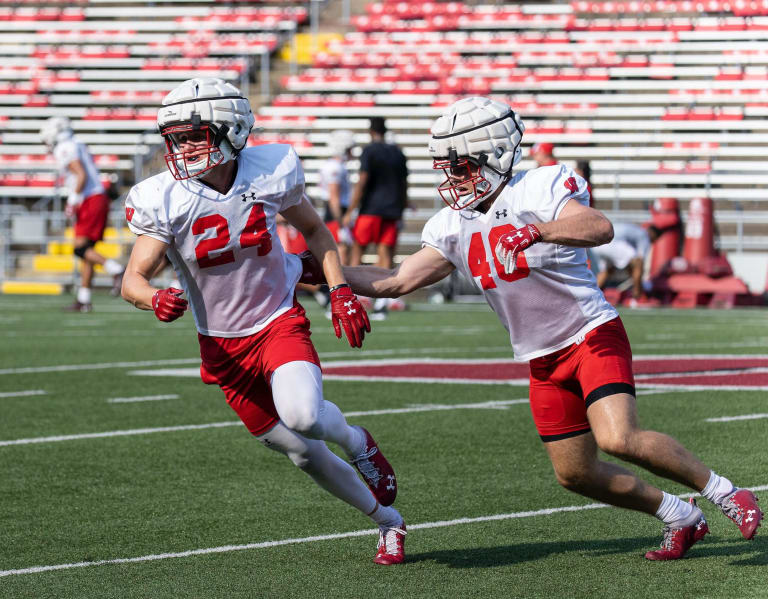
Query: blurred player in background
(214, 215)
(379, 198)
(521, 238)
(543, 154)
(87, 205)
(628, 250)
(335, 189)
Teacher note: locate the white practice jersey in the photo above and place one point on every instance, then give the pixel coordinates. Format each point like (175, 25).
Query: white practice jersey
(334, 170)
(224, 248)
(69, 150)
(552, 299)
(630, 241)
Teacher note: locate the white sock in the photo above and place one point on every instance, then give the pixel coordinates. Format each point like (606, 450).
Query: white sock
(326, 468)
(381, 303)
(84, 295)
(674, 511)
(386, 516)
(717, 488)
(113, 267)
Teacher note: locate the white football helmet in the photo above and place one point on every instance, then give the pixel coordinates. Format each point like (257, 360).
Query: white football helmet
(211, 106)
(476, 142)
(341, 141)
(55, 129)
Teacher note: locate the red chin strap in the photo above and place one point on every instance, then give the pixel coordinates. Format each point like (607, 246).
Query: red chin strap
(458, 179)
(179, 162)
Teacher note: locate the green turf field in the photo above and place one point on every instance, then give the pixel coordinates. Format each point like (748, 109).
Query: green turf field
(162, 494)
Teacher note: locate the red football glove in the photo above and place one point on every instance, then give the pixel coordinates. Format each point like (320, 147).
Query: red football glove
(512, 243)
(311, 270)
(167, 304)
(348, 312)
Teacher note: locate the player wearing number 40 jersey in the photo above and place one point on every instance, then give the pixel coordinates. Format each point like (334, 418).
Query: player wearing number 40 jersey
(214, 215)
(521, 238)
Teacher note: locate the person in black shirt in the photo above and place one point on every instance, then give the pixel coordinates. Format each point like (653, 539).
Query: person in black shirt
(379, 196)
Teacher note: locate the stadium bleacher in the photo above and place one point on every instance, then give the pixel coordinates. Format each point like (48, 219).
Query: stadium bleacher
(665, 98)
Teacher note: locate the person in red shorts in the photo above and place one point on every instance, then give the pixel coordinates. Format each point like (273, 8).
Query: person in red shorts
(378, 199)
(213, 214)
(87, 204)
(522, 237)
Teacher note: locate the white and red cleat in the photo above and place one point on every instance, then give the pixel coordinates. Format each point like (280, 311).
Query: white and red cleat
(677, 541)
(741, 507)
(376, 471)
(391, 548)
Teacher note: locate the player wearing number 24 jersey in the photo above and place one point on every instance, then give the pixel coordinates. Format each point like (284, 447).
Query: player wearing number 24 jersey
(214, 215)
(521, 238)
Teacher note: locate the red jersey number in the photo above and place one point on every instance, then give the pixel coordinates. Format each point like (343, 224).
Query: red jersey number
(255, 233)
(477, 259)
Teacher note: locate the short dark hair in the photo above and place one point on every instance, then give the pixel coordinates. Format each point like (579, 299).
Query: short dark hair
(377, 125)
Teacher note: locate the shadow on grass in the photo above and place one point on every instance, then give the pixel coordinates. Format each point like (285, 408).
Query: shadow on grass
(741, 553)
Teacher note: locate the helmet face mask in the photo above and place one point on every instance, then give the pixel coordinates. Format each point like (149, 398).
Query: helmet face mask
(191, 150)
(205, 122)
(476, 142)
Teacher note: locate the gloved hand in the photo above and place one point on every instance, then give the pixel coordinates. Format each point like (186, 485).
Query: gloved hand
(512, 243)
(348, 312)
(167, 304)
(311, 270)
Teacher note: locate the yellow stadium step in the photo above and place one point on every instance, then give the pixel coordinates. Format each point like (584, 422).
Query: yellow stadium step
(65, 248)
(31, 288)
(307, 45)
(46, 263)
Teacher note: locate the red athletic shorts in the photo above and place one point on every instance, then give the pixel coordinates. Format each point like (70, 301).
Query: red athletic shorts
(91, 217)
(333, 227)
(243, 366)
(370, 228)
(293, 241)
(565, 383)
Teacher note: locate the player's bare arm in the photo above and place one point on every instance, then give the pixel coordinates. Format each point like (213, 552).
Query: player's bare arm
(355, 198)
(76, 168)
(418, 270)
(577, 226)
(147, 255)
(319, 240)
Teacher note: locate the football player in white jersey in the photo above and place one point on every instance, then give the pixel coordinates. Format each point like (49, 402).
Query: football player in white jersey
(87, 204)
(522, 238)
(213, 213)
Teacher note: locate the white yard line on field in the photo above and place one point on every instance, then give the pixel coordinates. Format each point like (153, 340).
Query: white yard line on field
(23, 393)
(485, 405)
(142, 398)
(734, 418)
(316, 538)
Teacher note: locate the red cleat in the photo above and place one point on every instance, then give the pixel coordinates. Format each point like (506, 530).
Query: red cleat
(741, 507)
(677, 541)
(376, 471)
(391, 546)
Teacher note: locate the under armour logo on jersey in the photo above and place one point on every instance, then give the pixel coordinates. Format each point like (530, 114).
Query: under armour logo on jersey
(500, 213)
(251, 195)
(571, 185)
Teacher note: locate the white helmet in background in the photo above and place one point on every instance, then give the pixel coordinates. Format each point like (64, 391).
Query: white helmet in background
(209, 106)
(476, 142)
(341, 141)
(55, 129)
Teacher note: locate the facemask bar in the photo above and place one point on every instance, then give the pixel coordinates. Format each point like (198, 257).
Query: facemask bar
(208, 155)
(458, 175)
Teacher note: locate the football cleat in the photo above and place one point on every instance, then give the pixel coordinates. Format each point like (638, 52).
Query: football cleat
(741, 507)
(677, 541)
(79, 307)
(391, 547)
(376, 471)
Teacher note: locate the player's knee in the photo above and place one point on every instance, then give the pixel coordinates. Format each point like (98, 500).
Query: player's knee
(617, 444)
(304, 421)
(573, 478)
